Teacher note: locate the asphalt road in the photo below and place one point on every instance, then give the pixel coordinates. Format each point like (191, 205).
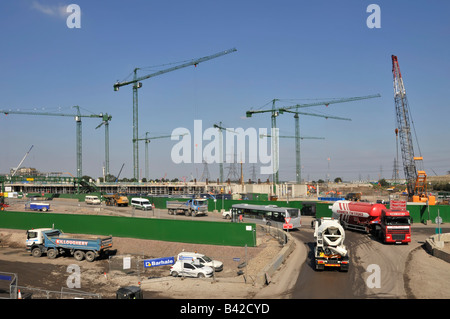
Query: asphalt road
(359, 282)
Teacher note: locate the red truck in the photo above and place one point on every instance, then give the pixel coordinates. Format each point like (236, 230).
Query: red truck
(389, 225)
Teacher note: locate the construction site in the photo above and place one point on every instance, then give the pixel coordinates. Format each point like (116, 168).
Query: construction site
(270, 196)
(415, 186)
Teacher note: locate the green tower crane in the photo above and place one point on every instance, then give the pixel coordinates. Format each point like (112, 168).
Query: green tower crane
(137, 84)
(77, 118)
(105, 121)
(277, 111)
(147, 140)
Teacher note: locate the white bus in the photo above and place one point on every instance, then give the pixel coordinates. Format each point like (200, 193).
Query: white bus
(271, 215)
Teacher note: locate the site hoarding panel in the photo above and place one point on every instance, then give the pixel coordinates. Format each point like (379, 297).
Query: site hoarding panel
(187, 231)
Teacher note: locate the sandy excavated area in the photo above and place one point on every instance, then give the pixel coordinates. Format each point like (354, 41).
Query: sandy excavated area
(99, 277)
(427, 277)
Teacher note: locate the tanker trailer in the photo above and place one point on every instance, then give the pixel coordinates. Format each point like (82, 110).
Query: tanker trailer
(358, 216)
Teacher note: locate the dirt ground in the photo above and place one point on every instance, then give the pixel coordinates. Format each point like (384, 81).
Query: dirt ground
(101, 278)
(427, 277)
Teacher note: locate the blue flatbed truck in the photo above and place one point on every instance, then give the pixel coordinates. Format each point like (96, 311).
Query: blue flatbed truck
(54, 242)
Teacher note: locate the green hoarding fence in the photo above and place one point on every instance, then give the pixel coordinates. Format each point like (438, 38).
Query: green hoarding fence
(422, 213)
(186, 231)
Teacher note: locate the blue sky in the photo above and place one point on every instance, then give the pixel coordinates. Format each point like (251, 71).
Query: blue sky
(297, 51)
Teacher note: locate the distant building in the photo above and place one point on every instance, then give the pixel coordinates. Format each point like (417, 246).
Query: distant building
(25, 171)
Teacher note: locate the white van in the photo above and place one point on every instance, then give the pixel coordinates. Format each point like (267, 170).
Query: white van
(196, 258)
(141, 203)
(92, 200)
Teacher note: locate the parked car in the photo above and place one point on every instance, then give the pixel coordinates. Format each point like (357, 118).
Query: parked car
(197, 258)
(188, 269)
(92, 200)
(226, 214)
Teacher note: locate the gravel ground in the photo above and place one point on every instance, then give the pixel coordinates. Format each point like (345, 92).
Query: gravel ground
(155, 282)
(106, 276)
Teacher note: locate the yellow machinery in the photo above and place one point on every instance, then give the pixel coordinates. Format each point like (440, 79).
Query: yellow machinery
(116, 200)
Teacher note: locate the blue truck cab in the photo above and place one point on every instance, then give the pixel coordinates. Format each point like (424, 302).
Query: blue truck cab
(54, 242)
(192, 207)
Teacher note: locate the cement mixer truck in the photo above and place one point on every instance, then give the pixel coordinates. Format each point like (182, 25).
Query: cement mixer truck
(329, 250)
(388, 225)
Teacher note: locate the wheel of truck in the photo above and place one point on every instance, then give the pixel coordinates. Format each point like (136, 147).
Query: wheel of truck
(52, 253)
(343, 269)
(187, 213)
(194, 213)
(174, 274)
(90, 256)
(44, 209)
(170, 212)
(78, 255)
(36, 252)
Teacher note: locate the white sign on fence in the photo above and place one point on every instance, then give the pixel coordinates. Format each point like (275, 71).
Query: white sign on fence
(126, 262)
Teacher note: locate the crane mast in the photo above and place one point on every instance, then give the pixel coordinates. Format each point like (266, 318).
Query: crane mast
(77, 118)
(137, 85)
(404, 127)
(277, 111)
(416, 178)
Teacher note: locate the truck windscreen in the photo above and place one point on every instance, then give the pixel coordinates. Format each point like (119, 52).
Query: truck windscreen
(31, 234)
(397, 221)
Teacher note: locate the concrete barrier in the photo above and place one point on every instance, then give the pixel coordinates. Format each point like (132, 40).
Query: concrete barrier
(263, 278)
(435, 246)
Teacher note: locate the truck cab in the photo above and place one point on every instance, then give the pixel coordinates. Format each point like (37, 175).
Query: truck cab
(395, 226)
(35, 237)
(198, 206)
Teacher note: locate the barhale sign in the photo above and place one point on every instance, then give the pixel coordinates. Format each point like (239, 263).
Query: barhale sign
(148, 263)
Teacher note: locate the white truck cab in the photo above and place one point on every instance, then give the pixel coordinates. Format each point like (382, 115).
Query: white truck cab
(36, 237)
